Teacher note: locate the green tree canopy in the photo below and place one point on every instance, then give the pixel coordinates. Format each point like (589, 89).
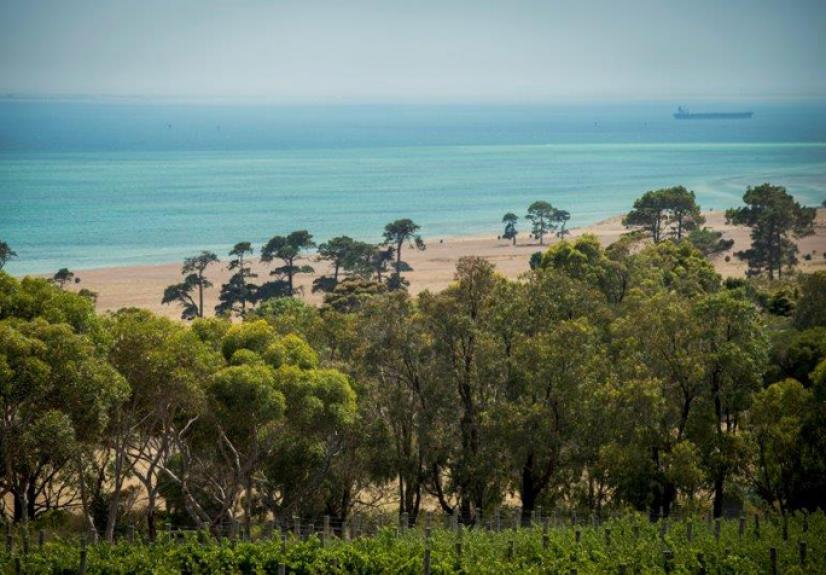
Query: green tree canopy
(541, 214)
(510, 219)
(6, 253)
(288, 249)
(775, 218)
(238, 291)
(396, 235)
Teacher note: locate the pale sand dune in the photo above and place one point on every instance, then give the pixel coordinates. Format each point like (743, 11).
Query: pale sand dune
(142, 286)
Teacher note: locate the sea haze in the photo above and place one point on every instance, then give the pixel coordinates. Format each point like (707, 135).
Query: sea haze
(90, 184)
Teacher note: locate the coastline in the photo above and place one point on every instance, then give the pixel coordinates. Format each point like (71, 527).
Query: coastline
(142, 286)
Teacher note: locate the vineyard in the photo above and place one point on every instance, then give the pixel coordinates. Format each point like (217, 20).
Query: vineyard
(628, 544)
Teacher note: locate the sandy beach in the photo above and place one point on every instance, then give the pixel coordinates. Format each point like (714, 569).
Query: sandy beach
(142, 286)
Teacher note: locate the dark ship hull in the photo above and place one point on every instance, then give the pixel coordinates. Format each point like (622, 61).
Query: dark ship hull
(713, 115)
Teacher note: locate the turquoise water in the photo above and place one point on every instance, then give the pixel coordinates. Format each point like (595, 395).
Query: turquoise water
(90, 185)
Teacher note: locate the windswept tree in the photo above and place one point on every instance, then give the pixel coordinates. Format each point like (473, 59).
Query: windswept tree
(380, 258)
(774, 218)
(63, 276)
(541, 216)
(197, 265)
(345, 255)
(238, 291)
(288, 249)
(399, 233)
(6, 253)
(194, 281)
(684, 211)
(655, 211)
(510, 232)
(561, 218)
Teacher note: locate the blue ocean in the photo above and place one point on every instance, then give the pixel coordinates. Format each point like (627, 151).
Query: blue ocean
(98, 183)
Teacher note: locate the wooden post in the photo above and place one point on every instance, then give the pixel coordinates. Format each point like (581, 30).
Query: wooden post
(773, 560)
(577, 535)
(326, 526)
(717, 529)
(9, 539)
(41, 539)
(668, 560)
(741, 527)
(517, 518)
(82, 568)
(510, 550)
(701, 559)
(282, 568)
(805, 522)
(297, 525)
(802, 549)
(689, 530)
(607, 536)
(756, 526)
(545, 538)
(663, 528)
(498, 519)
(426, 560)
(785, 527)
(404, 521)
(573, 517)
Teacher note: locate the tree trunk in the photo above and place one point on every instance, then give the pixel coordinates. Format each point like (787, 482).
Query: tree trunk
(200, 295)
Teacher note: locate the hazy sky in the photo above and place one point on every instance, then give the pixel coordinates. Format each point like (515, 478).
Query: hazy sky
(415, 50)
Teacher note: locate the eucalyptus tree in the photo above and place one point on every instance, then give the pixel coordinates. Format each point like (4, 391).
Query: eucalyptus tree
(288, 249)
(6, 253)
(775, 219)
(165, 365)
(56, 398)
(399, 233)
(510, 219)
(470, 365)
(541, 214)
(734, 360)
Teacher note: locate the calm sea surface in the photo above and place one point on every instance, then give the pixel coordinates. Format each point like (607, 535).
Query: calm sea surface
(100, 184)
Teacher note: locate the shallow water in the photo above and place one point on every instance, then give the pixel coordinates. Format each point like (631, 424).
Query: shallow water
(98, 184)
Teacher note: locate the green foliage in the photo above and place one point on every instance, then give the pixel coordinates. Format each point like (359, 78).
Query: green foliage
(6, 254)
(287, 249)
(774, 217)
(811, 305)
(708, 241)
(633, 546)
(667, 211)
(396, 235)
(510, 219)
(541, 215)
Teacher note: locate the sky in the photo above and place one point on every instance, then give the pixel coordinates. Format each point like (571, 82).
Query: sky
(414, 50)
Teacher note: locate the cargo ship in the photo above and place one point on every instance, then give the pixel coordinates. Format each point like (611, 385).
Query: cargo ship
(684, 114)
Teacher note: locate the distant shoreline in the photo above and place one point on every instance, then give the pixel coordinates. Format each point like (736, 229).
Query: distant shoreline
(142, 285)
